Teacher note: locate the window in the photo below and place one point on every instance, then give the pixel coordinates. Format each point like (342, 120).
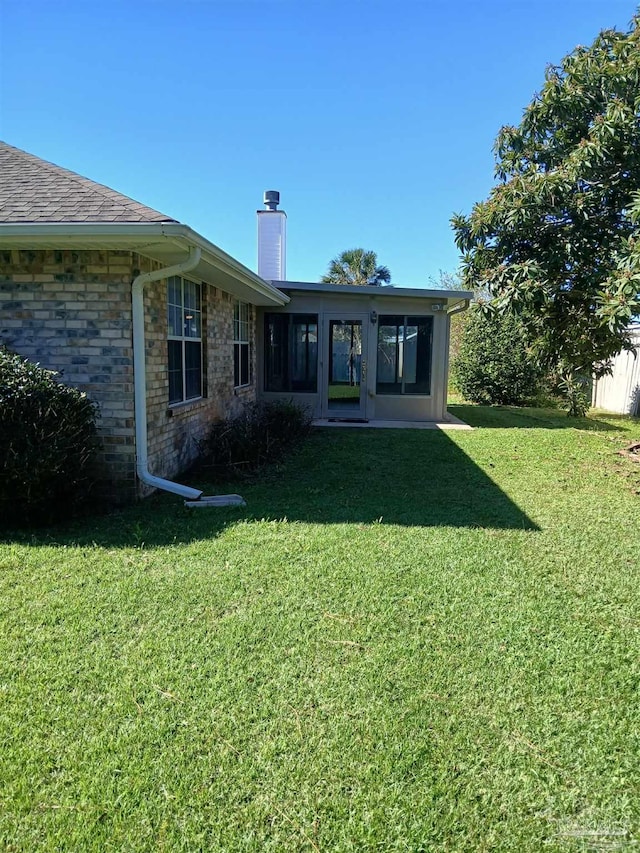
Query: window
(404, 355)
(291, 352)
(184, 310)
(241, 353)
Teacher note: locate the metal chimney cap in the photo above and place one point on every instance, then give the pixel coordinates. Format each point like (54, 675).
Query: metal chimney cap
(271, 199)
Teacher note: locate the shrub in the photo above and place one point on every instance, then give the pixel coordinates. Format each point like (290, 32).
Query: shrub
(576, 391)
(47, 439)
(262, 433)
(493, 364)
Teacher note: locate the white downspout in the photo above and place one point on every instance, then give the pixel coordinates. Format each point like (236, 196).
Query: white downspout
(193, 496)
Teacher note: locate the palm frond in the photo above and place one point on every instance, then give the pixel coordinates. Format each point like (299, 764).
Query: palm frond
(356, 267)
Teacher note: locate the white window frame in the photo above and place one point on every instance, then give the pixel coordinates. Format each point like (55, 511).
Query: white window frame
(241, 343)
(184, 338)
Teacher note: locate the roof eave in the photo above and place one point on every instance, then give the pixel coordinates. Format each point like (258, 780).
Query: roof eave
(373, 290)
(156, 240)
(227, 264)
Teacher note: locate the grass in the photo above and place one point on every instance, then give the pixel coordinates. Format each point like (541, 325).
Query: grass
(345, 392)
(406, 641)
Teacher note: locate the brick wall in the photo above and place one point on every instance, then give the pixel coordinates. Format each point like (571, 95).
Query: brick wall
(71, 311)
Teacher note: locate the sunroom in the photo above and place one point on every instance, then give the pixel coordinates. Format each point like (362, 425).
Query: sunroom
(358, 354)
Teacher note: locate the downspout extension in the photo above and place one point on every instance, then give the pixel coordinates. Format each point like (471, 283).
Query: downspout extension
(193, 497)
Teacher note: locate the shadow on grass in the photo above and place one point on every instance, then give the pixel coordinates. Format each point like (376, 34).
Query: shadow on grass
(510, 417)
(403, 477)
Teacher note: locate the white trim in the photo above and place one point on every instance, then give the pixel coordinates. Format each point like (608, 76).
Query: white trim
(238, 324)
(383, 291)
(183, 339)
(154, 240)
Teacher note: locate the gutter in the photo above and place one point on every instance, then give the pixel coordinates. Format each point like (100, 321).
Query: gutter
(386, 291)
(226, 263)
(193, 497)
(140, 237)
(457, 307)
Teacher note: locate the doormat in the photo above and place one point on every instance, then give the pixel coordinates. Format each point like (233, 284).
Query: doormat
(348, 420)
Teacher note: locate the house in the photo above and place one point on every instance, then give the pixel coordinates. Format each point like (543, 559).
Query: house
(167, 333)
(620, 390)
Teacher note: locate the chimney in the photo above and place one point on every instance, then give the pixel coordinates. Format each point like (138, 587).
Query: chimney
(272, 239)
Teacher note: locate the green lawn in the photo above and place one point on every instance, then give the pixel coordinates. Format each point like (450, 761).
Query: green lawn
(407, 641)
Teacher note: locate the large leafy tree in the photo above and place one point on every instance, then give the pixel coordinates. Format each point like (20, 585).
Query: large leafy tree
(558, 239)
(356, 266)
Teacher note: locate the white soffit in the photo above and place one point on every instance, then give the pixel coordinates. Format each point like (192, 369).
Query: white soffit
(166, 243)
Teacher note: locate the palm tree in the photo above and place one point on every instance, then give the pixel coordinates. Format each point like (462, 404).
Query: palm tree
(356, 266)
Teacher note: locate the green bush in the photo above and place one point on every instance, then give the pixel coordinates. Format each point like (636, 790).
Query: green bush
(262, 433)
(493, 364)
(47, 439)
(576, 392)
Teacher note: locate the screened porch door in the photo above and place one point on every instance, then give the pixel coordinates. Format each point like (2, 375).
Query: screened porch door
(345, 374)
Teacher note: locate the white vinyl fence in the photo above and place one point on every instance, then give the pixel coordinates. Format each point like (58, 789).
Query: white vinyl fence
(620, 392)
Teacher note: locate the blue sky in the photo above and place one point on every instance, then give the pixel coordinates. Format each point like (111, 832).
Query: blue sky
(375, 120)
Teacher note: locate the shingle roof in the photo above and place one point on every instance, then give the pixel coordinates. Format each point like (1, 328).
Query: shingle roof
(33, 190)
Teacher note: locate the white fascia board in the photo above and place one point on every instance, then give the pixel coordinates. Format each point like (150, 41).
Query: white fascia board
(226, 263)
(152, 239)
(40, 232)
(374, 290)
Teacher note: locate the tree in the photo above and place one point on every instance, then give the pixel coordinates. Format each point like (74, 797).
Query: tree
(445, 281)
(493, 363)
(356, 266)
(558, 239)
